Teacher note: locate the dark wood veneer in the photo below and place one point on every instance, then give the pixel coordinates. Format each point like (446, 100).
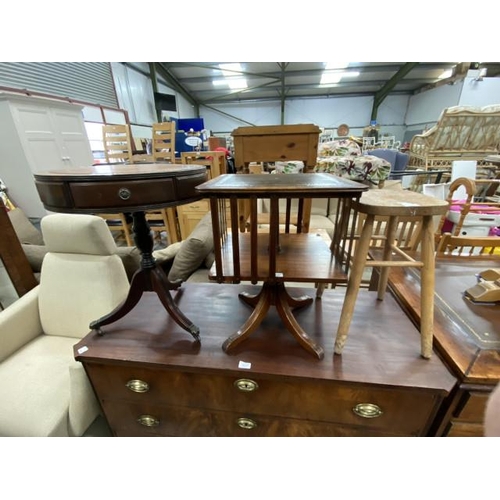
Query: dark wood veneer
(192, 385)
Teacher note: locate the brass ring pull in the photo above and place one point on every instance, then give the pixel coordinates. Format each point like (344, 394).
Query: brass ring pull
(246, 423)
(367, 410)
(124, 193)
(148, 421)
(246, 385)
(137, 385)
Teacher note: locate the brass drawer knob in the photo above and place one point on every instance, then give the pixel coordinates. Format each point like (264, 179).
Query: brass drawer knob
(367, 410)
(246, 423)
(148, 421)
(246, 385)
(124, 193)
(137, 385)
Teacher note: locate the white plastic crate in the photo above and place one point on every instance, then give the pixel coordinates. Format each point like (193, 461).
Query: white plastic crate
(475, 224)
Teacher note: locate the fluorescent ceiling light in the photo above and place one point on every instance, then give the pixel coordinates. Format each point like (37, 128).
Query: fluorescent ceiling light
(232, 78)
(330, 77)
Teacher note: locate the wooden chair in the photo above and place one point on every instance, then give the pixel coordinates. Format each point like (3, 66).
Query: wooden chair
(466, 246)
(118, 222)
(163, 142)
(469, 205)
(215, 161)
(118, 148)
(164, 220)
(117, 144)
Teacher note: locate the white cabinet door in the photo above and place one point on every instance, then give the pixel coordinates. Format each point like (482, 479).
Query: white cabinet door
(36, 135)
(36, 131)
(74, 143)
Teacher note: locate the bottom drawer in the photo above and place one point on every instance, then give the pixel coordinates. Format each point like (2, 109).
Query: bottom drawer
(460, 429)
(474, 408)
(139, 420)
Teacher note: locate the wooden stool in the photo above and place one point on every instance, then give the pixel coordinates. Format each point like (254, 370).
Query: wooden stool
(393, 204)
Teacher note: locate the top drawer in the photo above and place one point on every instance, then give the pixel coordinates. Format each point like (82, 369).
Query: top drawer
(404, 411)
(122, 193)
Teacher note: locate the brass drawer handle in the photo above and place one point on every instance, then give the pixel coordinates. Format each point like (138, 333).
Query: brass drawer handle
(148, 421)
(137, 385)
(124, 193)
(246, 385)
(246, 423)
(367, 410)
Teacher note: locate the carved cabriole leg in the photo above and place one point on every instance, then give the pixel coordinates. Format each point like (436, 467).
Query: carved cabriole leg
(283, 302)
(150, 278)
(262, 303)
(160, 286)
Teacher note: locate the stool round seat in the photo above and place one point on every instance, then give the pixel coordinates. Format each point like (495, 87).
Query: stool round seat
(387, 202)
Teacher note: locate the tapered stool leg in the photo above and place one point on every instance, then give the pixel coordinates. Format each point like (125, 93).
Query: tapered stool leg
(356, 275)
(384, 271)
(427, 279)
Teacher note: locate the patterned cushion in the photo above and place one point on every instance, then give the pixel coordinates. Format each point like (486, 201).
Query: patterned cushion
(361, 168)
(339, 147)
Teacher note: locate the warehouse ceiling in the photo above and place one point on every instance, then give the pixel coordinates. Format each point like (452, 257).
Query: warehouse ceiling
(213, 83)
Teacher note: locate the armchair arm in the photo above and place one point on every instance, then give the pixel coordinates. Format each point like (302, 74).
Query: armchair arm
(19, 323)
(419, 144)
(83, 405)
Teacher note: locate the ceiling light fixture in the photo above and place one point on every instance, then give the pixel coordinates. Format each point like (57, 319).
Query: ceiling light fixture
(331, 77)
(232, 79)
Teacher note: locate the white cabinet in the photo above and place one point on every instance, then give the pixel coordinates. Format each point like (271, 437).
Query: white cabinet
(38, 134)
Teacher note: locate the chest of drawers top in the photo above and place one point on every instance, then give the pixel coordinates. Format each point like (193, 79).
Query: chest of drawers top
(383, 347)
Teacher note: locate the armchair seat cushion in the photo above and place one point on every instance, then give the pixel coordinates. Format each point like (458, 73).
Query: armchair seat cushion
(38, 377)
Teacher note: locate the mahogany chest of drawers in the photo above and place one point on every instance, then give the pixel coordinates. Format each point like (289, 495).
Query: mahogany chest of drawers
(153, 379)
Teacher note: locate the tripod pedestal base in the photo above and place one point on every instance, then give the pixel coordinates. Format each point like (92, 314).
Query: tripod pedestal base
(274, 294)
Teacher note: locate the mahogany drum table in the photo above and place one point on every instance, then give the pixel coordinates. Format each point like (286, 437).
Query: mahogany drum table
(275, 258)
(127, 188)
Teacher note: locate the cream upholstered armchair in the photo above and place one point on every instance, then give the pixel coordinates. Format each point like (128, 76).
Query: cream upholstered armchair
(43, 390)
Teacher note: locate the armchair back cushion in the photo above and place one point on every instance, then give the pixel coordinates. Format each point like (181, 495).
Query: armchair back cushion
(81, 274)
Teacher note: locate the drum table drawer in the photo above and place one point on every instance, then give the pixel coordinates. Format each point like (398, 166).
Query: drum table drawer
(122, 193)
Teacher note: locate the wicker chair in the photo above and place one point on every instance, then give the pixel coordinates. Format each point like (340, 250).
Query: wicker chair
(461, 133)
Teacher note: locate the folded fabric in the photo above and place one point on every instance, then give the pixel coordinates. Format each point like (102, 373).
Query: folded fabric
(457, 205)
